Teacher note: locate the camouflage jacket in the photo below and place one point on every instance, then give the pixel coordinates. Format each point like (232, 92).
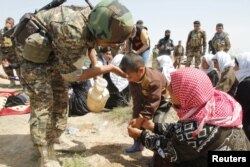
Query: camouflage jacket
(179, 50)
(221, 41)
(6, 43)
(67, 28)
(196, 41)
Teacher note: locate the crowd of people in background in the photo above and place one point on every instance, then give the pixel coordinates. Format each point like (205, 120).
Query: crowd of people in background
(208, 82)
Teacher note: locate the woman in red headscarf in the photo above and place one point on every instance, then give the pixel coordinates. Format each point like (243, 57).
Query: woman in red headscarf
(209, 120)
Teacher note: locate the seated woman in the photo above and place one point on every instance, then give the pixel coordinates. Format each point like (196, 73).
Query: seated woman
(242, 68)
(207, 66)
(209, 120)
(228, 82)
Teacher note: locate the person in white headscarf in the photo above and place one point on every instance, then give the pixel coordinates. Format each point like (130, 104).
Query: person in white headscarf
(242, 68)
(225, 65)
(166, 65)
(207, 66)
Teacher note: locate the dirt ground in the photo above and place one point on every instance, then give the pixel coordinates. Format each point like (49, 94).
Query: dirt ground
(104, 140)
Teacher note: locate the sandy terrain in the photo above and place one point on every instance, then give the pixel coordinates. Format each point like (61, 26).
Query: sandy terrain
(104, 139)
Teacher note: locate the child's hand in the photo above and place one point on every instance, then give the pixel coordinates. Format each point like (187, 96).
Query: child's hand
(134, 132)
(136, 122)
(148, 124)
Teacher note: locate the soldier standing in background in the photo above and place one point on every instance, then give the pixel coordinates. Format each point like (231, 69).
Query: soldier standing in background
(196, 45)
(220, 41)
(73, 32)
(166, 45)
(178, 55)
(7, 50)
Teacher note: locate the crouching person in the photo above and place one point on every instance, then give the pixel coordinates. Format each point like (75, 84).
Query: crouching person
(147, 88)
(212, 121)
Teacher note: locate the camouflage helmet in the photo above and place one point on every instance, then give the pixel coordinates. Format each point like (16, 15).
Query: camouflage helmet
(111, 21)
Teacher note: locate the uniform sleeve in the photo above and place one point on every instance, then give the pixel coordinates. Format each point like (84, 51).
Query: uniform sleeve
(228, 44)
(187, 43)
(204, 40)
(182, 51)
(172, 45)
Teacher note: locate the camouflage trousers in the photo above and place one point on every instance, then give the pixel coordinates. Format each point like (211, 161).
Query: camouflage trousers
(10, 55)
(197, 57)
(48, 100)
(177, 61)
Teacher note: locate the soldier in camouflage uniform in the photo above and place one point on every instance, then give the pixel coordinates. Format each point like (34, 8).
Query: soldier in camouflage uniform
(73, 32)
(196, 45)
(7, 50)
(220, 41)
(178, 55)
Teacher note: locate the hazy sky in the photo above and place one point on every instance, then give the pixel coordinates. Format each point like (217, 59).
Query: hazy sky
(159, 15)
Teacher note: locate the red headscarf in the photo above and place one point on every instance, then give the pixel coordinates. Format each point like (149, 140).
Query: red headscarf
(201, 102)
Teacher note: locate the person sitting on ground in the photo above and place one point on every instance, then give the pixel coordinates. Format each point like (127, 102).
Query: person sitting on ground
(224, 64)
(242, 68)
(105, 55)
(7, 65)
(207, 66)
(209, 120)
(117, 86)
(78, 98)
(14, 99)
(147, 88)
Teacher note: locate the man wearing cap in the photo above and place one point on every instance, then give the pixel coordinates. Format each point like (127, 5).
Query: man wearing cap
(139, 42)
(166, 45)
(196, 45)
(73, 32)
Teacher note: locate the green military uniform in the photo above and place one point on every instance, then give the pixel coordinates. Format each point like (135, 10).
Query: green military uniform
(72, 32)
(196, 47)
(178, 54)
(221, 42)
(7, 51)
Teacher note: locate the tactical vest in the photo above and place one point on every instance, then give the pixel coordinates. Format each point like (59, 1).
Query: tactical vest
(196, 39)
(7, 42)
(219, 42)
(136, 41)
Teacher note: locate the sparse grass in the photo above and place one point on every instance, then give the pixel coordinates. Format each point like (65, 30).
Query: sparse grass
(76, 161)
(121, 114)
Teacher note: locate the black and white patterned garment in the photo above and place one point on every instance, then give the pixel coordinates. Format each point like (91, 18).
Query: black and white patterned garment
(177, 143)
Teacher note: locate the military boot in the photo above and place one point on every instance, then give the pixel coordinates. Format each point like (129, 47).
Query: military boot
(48, 158)
(64, 144)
